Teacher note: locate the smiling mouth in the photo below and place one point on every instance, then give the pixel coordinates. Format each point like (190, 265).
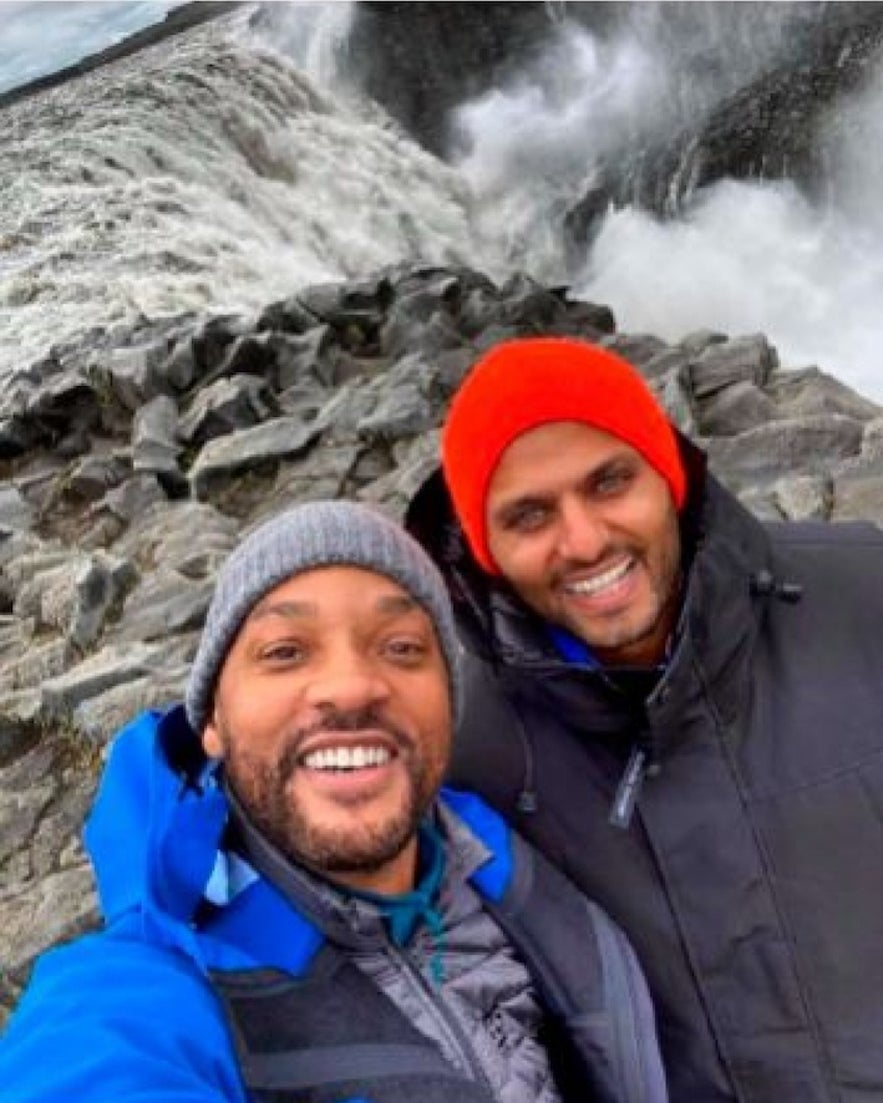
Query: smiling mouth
(347, 759)
(589, 587)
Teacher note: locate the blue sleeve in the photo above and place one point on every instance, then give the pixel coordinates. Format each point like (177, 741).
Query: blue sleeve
(108, 1019)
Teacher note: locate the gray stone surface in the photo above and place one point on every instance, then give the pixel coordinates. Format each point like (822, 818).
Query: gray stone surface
(155, 445)
(15, 512)
(735, 409)
(242, 451)
(110, 667)
(748, 359)
(107, 559)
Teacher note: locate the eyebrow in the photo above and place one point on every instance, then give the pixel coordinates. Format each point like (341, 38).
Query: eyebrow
(392, 604)
(530, 499)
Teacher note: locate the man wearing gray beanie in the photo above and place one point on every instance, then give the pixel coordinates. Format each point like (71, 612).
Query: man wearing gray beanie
(295, 910)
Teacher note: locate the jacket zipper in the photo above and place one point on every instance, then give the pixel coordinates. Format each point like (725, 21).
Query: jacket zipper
(434, 1001)
(629, 789)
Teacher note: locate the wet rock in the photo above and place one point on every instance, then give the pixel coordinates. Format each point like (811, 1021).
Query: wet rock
(872, 441)
(638, 348)
(19, 732)
(355, 311)
(210, 341)
(155, 446)
(666, 361)
(404, 404)
(75, 598)
(459, 53)
(225, 406)
(421, 320)
(302, 358)
(112, 666)
(806, 444)
(677, 400)
(346, 409)
(90, 478)
(810, 391)
(191, 538)
(133, 497)
(31, 667)
(858, 492)
(15, 512)
(759, 500)
(323, 473)
(16, 635)
(720, 365)
(287, 316)
(133, 376)
(162, 604)
(735, 409)
(63, 906)
(99, 718)
(16, 437)
(804, 497)
(67, 399)
(231, 455)
(695, 343)
(27, 558)
(415, 460)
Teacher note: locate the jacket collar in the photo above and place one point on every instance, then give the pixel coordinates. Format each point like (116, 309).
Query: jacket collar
(349, 919)
(724, 549)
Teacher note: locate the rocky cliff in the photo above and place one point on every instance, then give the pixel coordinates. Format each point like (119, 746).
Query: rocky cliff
(133, 460)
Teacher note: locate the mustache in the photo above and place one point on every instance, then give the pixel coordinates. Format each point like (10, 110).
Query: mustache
(332, 719)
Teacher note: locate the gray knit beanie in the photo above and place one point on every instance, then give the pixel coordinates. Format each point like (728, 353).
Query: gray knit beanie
(316, 534)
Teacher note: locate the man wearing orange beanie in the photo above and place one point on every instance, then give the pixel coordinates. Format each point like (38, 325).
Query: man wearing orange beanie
(682, 706)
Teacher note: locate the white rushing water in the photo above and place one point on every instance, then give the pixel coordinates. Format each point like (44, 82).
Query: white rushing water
(744, 257)
(217, 171)
(203, 173)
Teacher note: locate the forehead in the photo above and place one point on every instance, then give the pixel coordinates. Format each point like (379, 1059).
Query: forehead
(539, 459)
(341, 593)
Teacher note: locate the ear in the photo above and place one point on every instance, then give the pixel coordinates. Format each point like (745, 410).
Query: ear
(212, 743)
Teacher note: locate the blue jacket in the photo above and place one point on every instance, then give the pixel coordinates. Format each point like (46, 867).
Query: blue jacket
(132, 1013)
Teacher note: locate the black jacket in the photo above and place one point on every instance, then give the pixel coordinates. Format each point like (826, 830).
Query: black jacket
(750, 877)
(331, 1032)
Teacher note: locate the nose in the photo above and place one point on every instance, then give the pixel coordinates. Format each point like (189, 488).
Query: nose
(582, 533)
(346, 680)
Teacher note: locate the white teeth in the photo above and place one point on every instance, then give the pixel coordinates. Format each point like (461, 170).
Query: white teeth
(599, 582)
(347, 758)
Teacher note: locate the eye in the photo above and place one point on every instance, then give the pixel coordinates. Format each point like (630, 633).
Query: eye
(526, 518)
(283, 652)
(612, 481)
(405, 650)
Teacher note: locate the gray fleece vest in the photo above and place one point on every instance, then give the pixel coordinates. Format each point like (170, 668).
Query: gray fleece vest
(331, 1036)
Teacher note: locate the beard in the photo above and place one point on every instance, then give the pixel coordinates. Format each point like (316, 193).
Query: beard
(264, 789)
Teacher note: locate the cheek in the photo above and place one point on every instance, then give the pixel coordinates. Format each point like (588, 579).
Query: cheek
(435, 717)
(522, 560)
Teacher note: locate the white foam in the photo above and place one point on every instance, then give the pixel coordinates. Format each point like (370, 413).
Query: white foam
(203, 174)
(743, 257)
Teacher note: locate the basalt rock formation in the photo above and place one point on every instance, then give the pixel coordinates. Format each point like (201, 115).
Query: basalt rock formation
(133, 461)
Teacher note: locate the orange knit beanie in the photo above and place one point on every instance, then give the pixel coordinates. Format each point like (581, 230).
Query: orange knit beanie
(522, 384)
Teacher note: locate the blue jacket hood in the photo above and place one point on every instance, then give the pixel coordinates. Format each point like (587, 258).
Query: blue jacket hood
(155, 836)
(155, 839)
(155, 828)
